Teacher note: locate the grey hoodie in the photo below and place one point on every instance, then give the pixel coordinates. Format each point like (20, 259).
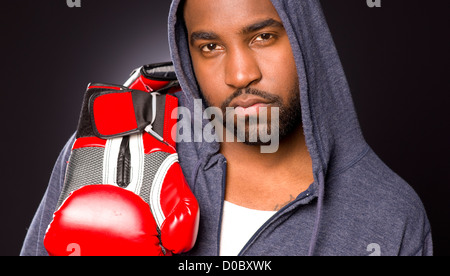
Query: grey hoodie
(356, 205)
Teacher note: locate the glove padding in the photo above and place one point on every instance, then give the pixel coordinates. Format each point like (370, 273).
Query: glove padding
(103, 220)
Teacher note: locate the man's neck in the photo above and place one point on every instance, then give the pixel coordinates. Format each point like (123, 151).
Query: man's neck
(267, 181)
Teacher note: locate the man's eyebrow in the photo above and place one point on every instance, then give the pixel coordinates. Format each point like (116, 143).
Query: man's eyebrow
(261, 25)
(200, 35)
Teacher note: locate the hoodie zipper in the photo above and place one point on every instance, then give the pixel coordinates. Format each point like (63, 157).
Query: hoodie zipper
(219, 232)
(273, 218)
(263, 227)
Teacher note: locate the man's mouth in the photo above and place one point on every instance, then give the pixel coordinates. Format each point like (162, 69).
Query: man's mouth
(249, 104)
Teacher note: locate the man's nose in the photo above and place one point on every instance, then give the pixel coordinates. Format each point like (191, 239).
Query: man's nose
(242, 69)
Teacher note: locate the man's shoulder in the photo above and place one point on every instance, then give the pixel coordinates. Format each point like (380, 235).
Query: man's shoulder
(379, 206)
(370, 183)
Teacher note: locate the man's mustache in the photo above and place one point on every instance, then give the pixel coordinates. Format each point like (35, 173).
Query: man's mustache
(251, 91)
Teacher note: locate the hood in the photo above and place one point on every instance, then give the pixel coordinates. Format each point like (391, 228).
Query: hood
(330, 124)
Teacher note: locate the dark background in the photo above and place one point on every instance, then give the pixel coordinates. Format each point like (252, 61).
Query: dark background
(395, 57)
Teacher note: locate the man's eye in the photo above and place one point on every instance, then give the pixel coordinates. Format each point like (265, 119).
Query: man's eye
(211, 47)
(264, 37)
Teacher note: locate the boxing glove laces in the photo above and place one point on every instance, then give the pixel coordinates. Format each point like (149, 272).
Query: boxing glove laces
(124, 191)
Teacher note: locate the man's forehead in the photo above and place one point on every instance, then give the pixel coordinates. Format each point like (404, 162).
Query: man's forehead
(228, 13)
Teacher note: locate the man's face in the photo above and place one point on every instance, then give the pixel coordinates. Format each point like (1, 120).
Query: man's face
(242, 59)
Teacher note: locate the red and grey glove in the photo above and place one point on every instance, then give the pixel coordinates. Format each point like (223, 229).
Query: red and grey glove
(124, 191)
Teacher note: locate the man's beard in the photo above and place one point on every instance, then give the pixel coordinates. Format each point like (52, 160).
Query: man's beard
(289, 117)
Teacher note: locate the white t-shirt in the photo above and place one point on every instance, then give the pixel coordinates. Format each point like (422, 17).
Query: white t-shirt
(239, 224)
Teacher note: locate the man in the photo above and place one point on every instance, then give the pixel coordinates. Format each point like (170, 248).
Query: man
(323, 191)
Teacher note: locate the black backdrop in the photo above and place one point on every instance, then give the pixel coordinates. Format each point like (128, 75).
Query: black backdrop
(395, 58)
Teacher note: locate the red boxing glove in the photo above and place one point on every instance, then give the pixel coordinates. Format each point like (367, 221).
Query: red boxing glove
(124, 191)
(103, 220)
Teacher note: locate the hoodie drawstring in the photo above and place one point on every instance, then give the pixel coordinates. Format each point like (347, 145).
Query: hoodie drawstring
(195, 175)
(315, 233)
